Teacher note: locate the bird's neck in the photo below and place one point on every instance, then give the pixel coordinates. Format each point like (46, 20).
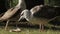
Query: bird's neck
(19, 3)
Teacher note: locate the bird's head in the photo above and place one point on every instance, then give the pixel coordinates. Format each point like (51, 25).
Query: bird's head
(25, 14)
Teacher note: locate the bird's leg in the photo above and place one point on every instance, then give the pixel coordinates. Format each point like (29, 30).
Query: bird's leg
(6, 24)
(17, 27)
(41, 27)
(16, 24)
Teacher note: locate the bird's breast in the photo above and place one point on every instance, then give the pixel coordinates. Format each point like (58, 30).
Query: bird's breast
(38, 20)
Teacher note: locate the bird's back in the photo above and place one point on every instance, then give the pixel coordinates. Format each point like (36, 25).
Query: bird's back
(44, 15)
(46, 12)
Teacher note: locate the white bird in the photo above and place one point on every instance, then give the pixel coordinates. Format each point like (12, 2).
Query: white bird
(9, 14)
(38, 15)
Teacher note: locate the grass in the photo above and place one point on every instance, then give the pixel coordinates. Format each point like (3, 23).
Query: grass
(29, 31)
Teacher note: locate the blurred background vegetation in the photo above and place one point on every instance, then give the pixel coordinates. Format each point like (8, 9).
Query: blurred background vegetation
(10, 3)
(6, 4)
(52, 2)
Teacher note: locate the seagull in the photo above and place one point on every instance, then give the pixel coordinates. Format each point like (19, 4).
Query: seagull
(39, 14)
